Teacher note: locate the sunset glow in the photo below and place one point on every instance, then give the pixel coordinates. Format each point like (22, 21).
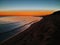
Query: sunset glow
(25, 13)
(28, 7)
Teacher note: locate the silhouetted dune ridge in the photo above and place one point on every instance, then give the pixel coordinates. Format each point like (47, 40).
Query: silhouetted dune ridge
(56, 13)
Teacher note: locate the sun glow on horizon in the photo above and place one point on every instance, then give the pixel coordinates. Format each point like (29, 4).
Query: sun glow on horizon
(26, 13)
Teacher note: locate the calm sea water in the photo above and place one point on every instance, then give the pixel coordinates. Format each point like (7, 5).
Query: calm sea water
(11, 25)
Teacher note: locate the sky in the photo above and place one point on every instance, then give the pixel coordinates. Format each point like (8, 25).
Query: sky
(29, 5)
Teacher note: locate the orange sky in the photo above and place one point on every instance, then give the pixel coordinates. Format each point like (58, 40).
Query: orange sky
(25, 13)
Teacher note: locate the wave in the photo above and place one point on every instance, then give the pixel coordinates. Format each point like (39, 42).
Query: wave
(11, 26)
